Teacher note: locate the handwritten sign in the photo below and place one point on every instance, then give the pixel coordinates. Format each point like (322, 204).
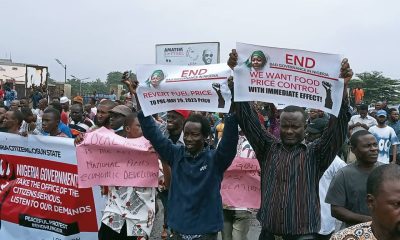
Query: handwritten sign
(105, 158)
(287, 76)
(241, 184)
(201, 88)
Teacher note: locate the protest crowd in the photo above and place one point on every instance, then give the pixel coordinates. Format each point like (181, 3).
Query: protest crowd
(318, 176)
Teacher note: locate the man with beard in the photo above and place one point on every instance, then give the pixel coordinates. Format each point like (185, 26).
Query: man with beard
(386, 138)
(347, 191)
(117, 118)
(103, 113)
(290, 170)
(78, 122)
(12, 121)
(383, 198)
(2, 115)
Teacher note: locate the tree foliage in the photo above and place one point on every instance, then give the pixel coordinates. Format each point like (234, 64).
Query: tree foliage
(377, 87)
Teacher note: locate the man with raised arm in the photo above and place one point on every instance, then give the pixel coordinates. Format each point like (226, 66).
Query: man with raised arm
(290, 169)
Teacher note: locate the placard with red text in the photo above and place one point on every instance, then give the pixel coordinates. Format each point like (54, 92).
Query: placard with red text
(288, 76)
(166, 87)
(39, 194)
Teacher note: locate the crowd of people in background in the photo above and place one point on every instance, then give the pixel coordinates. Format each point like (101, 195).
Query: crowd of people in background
(352, 159)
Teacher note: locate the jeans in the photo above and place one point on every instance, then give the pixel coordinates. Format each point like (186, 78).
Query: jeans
(210, 236)
(236, 224)
(265, 235)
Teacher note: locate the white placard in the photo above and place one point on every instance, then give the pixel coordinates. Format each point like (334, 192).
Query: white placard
(287, 76)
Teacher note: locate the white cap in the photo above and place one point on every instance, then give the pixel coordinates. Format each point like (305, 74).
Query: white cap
(64, 100)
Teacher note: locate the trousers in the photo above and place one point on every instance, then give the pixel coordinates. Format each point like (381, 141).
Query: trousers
(236, 224)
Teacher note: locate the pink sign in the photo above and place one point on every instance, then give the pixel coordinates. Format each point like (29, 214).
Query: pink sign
(104, 158)
(241, 184)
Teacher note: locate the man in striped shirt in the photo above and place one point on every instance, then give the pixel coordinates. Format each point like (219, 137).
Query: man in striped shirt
(290, 169)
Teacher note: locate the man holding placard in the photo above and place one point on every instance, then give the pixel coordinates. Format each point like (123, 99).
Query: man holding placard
(290, 169)
(194, 201)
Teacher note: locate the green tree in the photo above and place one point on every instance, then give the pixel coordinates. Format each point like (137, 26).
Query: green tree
(377, 87)
(114, 78)
(98, 86)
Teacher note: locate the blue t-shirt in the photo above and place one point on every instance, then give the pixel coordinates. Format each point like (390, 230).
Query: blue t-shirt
(63, 128)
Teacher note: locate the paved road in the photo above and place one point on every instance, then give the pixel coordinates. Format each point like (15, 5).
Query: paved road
(253, 234)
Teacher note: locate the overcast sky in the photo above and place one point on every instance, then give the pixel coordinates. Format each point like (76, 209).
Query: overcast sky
(94, 37)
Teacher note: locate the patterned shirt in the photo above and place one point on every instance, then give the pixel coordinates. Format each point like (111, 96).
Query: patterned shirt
(133, 205)
(289, 178)
(362, 231)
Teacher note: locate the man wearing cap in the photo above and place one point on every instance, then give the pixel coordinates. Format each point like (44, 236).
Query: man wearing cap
(78, 99)
(117, 118)
(65, 109)
(386, 138)
(173, 130)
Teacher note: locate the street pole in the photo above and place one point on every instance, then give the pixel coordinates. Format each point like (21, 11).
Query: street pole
(65, 69)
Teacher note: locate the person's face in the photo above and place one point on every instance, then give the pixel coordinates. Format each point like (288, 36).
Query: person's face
(394, 116)
(43, 104)
(313, 114)
(292, 128)
(76, 114)
(207, 57)
(65, 106)
(155, 80)
(49, 122)
(116, 120)
(9, 120)
(378, 106)
(385, 208)
(133, 130)
(14, 105)
(194, 140)
(88, 108)
(174, 121)
(311, 137)
(24, 103)
(2, 115)
(363, 113)
(103, 114)
(381, 119)
(256, 62)
(366, 149)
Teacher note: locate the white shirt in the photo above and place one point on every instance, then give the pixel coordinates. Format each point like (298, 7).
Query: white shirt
(327, 221)
(368, 120)
(386, 137)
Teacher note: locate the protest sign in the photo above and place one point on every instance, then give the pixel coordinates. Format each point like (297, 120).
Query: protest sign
(104, 158)
(240, 187)
(39, 197)
(201, 53)
(287, 76)
(202, 88)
